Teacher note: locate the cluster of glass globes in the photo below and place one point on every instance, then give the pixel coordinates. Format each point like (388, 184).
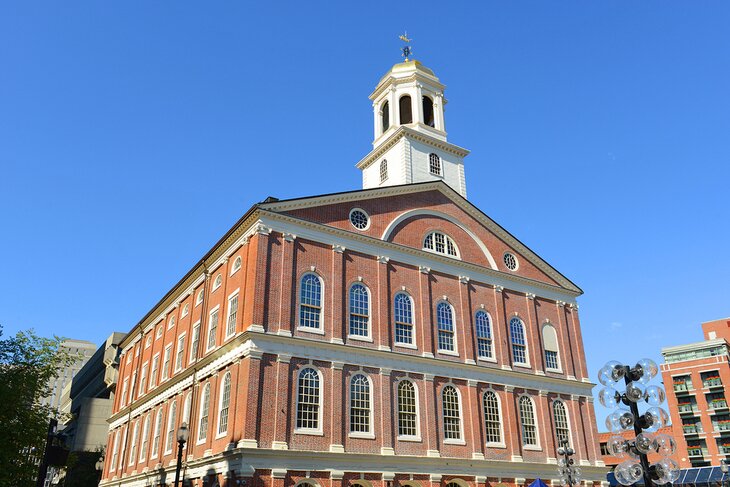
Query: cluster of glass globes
(622, 419)
(569, 475)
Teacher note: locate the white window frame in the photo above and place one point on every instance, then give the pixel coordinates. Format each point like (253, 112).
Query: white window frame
(494, 444)
(396, 343)
(369, 336)
(185, 311)
(125, 389)
(187, 405)
(217, 282)
(199, 440)
(567, 420)
(208, 346)
(199, 297)
(442, 351)
(115, 451)
(417, 436)
(154, 371)
(234, 294)
(370, 434)
(559, 370)
(167, 363)
(143, 445)
(526, 363)
(236, 266)
(535, 447)
(320, 329)
(180, 352)
(148, 341)
(383, 170)
(143, 379)
(158, 332)
(453, 441)
(192, 357)
(493, 358)
(133, 447)
(170, 430)
(320, 411)
(171, 322)
(155, 436)
(221, 433)
(447, 239)
(440, 172)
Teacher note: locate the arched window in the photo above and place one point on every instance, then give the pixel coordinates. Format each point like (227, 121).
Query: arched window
(527, 420)
(204, 412)
(171, 418)
(434, 164)
(133, 449)
(359, 404)
(452, 416)
(158, 434)
(199, 297)
(308, 400)
(550, 342)
(218, 281)
(185, 311)
(403, 312)
(145, 439)
(440, 243)
(492, 421)
(484, 334)
(428, 111)
(236, 265)
(383, 170)
(560, 416)
(519, 344)
(406, 115)
(359, 311)
(186, 408)
(225, 403)
(310, 302)
(445, 321)
(115, 452)
(407, 412)
(385, 115)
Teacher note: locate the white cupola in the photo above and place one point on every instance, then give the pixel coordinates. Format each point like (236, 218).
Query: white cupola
(409, 145)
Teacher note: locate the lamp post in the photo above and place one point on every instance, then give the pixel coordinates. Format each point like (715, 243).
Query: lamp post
(569, 475)
(724, 469)
(644, 425)
(182, 437)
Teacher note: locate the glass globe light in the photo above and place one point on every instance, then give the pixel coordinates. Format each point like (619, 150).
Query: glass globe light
(562, 462)
(577, 475)
(620, 420)
(664, 445)
(654, 395)
(611, 373)
(648, 369)
(570, 451)
(609, 397)
(561, 451)
(644, 443)
(634, 391)
(666, 470)
(656, 418)
(618, 446)
(628, 472)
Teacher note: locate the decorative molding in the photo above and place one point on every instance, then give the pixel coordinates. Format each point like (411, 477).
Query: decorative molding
(464, 279)
(337, 448)
(542, 393)
(530, 296)
(383, 259)
(436, 478)
(499, 288)
(424, 270)
(337, 365)
(279, 473)
(284, 358)
(337, 474)
(262, 229)
(338, 248)
(560, 303)
(289, 237)
(279, 445)
(509, 388)
(387, 450)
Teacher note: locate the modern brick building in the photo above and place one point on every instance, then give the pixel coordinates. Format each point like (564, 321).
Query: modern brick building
(695, 376)
(389, 336)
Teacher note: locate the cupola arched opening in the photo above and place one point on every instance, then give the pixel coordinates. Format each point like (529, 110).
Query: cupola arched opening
(385, 115)
(406, 114)
(428, 111)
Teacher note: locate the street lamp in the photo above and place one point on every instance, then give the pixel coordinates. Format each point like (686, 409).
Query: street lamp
(99, 465)
(569, 475)
(182, 437)
(644, 425)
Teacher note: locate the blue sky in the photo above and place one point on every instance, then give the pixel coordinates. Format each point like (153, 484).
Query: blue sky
(133, 134)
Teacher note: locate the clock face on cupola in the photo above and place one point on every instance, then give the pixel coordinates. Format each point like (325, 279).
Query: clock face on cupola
(410, 144)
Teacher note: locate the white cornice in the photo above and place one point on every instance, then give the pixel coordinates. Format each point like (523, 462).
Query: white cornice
(402, 132)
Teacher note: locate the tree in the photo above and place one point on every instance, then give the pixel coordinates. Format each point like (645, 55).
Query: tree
(28, 364)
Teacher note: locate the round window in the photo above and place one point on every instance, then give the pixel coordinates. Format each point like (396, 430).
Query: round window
(359, 219)
(510, 261)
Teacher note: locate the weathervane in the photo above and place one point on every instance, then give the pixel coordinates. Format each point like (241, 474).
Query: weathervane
(407, 51)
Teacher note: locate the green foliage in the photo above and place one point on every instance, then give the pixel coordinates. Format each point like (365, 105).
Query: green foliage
(28, 363)
(81, 468)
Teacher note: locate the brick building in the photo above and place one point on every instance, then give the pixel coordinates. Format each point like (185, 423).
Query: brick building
(695, 376)
(394, 335)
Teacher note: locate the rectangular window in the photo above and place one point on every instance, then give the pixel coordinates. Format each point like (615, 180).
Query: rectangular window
(551, 359)
(180, 352)
(232, 312)
(196, 341)
(212, 329)
(143, 381)
(166, 362)
(155, 370)
(123, 399)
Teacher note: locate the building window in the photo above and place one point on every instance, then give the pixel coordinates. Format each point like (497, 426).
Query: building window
(403, 312)
(125, 387)
(166, 362)
(560, 415)
(180, 352)
(158, 333)
(308, 400)
(445, 322)
(155, 370)
(217, 283)
(484, 335)
(519, 345)
(452, 416)
(212, 329)
(434, 164)
(148, 341)
(510, 261)
(158, 433)
(407, 412)
(135, 437)
(196, 341)
(428, 111)
(170, 438)
(115, 452)
(186, 408)
(383, 170)
(492, 420)
(145, 439)
(406, 115)
(236, 265)
(185, 311)
(440, 243)
(224, 405)
(359, 219)
(550, 342)
(143, 380)
(310, 302)
(204, 411)
(359, 311)
(232, 313)
(359, 404)
(199, 298)
(527, 420)
(385, 115)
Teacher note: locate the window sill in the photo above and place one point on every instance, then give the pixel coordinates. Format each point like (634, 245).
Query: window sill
(316, 331)
(364, 436)
(555, 371)
(532, 447)
(359, 338)
(522, 366)
(452, 441)
(308, 432)
(415, 439)
(448, 352)
(221, 435)
(487, 359)
(406, 345)
(496, 445)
